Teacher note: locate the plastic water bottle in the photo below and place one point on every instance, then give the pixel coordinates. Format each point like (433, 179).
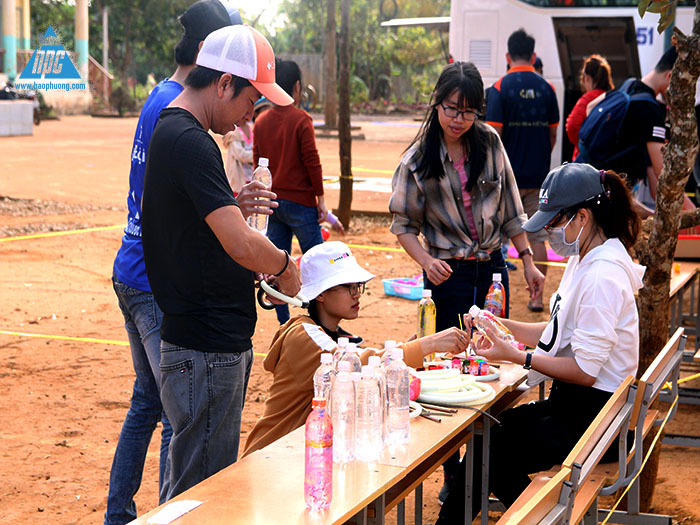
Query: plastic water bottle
(258, 221)
(323, 377)
(478, 318)
(496, 298)
(426, 317)
(368, 417)
(343, 403)
(375, 362)
(340, 351)
(389, 345)
(318, 457)
(397, 383)
(349, 354)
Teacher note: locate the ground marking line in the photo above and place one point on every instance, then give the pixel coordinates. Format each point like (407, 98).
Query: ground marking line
(79, 339)
(57, 234)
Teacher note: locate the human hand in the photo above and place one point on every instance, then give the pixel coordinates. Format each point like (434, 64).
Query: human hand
(534, 279)
(438, 271)
(453, 341)
(254, 197)
(321, 207)
(493, 348)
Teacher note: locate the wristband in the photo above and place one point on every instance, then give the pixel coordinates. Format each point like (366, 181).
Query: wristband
(286, 263)
(526, 251)
(332, 219)
(528, 361)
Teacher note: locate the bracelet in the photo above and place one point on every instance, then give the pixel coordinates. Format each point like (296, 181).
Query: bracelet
(286, 263)
(526, 251)
(528, 361)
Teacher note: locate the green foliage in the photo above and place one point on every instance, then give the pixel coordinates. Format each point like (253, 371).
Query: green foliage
(377, 52)
(57, 14)
(359, 92)
(665, 8)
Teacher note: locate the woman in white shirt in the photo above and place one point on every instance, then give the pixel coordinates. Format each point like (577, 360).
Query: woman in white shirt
(588, 346)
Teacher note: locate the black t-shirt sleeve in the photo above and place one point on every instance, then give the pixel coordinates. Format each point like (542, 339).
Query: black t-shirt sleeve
(200, 172)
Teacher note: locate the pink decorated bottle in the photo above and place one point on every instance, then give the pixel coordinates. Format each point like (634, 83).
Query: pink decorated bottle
(318, 464)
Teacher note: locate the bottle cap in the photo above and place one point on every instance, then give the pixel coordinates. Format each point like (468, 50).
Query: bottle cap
(397, 354)
(427, 293)
(356, 376)
(367, 371)
(497, 277)
(326, 358)
(474, 311)
(390, 343)
(374, 360)
(351, 347)
(343, 342)
(343, 366)
(263, 162)
(318, 402)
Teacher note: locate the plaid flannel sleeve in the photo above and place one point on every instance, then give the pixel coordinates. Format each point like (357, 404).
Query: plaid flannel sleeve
(407, 201)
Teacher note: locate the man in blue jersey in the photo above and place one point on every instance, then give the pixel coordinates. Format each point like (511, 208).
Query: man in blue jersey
(522, 108)
(141, 313)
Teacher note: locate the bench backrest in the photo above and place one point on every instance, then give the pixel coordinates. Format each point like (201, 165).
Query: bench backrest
(609, 426)
(544, 503)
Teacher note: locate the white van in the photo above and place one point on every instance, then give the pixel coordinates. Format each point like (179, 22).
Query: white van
(564, 36)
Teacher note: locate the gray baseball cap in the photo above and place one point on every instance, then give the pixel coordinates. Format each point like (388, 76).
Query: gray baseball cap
(565, 186)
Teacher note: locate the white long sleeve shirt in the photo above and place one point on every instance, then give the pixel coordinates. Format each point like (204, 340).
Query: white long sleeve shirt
(593, 316)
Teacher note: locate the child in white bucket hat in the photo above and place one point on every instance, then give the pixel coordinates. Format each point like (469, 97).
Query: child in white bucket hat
(334, 282)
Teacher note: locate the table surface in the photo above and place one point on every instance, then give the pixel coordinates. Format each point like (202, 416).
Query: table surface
(267, 486)
(680, 279)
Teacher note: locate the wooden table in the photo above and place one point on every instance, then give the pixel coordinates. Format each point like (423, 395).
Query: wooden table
(266, 487)
(686, 281)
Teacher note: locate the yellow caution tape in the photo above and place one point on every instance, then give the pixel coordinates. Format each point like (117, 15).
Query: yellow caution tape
(58, 234)
(644, 462)
(79, 339)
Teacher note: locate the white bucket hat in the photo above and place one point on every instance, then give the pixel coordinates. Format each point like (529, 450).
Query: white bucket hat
(327, 265)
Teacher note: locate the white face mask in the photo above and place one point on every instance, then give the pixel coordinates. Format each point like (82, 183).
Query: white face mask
(557, 240)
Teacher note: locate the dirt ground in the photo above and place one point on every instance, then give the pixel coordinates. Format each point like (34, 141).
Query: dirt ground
(64, 400)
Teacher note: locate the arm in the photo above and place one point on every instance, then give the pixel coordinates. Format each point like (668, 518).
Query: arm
(533, 277)
(527, 333)
(252, 250)
(657, 163)
(552, 136)
(438, 271)
(312, 163)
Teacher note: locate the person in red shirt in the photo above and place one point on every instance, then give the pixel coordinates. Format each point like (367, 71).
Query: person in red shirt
(595, 79)
(285, 135)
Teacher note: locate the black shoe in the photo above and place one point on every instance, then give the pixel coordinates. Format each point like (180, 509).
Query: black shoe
(351, 338)
(511, 266)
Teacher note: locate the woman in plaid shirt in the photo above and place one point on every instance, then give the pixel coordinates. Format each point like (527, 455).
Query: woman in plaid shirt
(455, 186)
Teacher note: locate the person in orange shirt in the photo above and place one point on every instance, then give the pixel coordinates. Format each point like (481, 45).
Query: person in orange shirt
(334, 282)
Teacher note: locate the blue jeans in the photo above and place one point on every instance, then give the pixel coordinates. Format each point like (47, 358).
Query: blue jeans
(203, 394)
(142, 322)
(290, 219)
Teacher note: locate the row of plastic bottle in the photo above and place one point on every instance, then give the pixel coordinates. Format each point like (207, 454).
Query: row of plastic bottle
(362, 400)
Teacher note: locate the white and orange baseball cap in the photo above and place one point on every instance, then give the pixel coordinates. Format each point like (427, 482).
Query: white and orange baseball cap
(244, 52)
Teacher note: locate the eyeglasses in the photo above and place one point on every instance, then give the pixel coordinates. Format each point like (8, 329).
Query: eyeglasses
(354, 288)
(468, 114)
(556, 220)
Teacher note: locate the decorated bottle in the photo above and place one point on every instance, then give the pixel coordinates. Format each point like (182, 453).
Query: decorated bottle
(495, 301)
(426, 317)
(318, 459)
(479, 316)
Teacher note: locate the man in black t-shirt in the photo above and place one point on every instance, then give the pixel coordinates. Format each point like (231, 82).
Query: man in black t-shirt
(201, 255)
(645, 126)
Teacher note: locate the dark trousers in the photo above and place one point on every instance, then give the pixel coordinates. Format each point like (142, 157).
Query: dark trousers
(467, 286)
(530, 438)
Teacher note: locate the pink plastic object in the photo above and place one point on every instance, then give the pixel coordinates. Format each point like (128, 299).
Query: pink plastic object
(318, 461)
(414, 388)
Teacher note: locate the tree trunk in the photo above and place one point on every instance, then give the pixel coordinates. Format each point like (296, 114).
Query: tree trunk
(345, 140)
(679, 154)
(330, 99)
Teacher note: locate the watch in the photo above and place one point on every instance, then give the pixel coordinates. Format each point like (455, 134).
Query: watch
(528, 361)
(526, 251)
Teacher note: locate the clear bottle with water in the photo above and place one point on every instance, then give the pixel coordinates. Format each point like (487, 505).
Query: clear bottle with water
(340, 351)
(389, 345)
(368, 417)
(343, 404)
(318, 457)
(397, 387)
(323, 377)
(375, 362)
(349, 354)
(496, 297)
(258, 221)
(479, 317)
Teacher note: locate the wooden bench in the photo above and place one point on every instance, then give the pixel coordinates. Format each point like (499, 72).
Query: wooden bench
(579, 484)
